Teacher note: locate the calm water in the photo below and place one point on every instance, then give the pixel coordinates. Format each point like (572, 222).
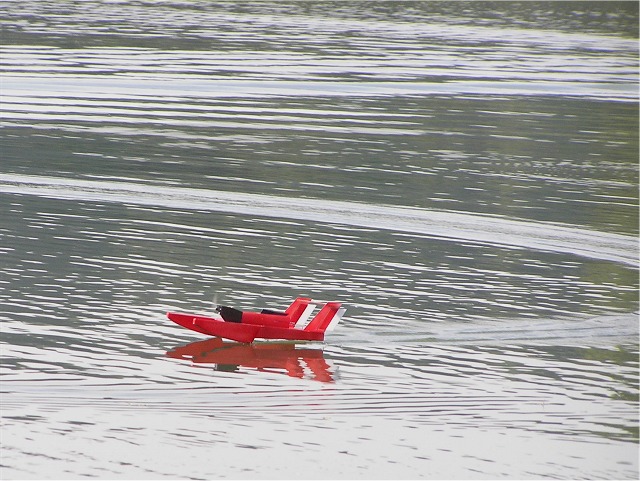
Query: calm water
(463, 176)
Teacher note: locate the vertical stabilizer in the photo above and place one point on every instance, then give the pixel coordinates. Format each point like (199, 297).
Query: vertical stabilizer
(305, 316)
(336, 318)
(299, 311)
(327, 318)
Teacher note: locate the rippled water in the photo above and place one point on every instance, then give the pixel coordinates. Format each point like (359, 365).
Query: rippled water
(463, 176)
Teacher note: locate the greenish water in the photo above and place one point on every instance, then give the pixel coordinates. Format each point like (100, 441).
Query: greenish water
(463, 176)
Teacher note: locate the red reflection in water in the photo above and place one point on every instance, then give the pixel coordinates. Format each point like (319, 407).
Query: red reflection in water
(263, 357)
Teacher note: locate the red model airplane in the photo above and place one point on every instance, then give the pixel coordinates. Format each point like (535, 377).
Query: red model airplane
(242, 326)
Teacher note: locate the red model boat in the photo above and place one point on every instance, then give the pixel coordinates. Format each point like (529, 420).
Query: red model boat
(243, 326)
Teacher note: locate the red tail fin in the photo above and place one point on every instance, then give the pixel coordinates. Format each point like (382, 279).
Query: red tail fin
(327, 318)
(295, 310)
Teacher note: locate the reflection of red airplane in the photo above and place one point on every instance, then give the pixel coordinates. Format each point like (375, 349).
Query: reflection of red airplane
(263, 357)
(246, 326)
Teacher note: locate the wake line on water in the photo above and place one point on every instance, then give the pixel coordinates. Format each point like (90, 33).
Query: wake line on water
(452, 225)
(95, 85)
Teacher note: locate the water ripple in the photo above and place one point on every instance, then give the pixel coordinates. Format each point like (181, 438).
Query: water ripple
(455, 225)
(464, 179)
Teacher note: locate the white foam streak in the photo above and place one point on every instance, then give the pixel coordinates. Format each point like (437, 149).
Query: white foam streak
(477, 228)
